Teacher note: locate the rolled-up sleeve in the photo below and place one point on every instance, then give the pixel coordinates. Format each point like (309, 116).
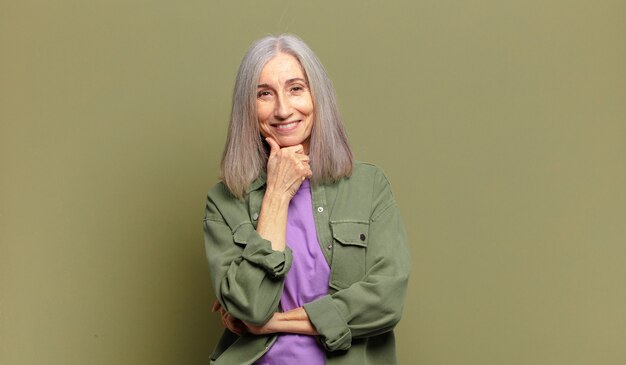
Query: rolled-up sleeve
(246, 273)
(258, 251)
(374, 304)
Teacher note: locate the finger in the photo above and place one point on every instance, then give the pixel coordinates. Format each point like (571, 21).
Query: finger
(295, 149)
(230, 320)
(234, 326)
(303, 157)
(274, 147)
(308, 173)
(231, 329)
(216, 306)
(230, 326)
(241, 330)
(238, 327)
(237, 331)
(224, 320)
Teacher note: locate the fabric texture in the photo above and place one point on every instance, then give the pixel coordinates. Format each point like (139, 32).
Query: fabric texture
(363, 241)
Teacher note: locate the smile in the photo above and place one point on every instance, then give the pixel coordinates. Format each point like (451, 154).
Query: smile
(287, 126)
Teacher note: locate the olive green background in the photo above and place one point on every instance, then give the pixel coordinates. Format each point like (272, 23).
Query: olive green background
(501, 125)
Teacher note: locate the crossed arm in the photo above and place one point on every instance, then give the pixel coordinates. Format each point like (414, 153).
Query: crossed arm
(368, 307)
(293, 321)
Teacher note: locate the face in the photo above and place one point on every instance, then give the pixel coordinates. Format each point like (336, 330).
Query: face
(284, 104)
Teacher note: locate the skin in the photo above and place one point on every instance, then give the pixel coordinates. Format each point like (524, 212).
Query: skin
(284, 103)
(293, 321)
(285, 115)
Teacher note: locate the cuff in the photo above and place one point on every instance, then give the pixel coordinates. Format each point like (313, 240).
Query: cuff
(329, 323)
(259, 252)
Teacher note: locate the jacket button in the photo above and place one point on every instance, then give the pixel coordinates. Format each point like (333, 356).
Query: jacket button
(362, 237)
(255, 216)
(320, 209)
(330, 247)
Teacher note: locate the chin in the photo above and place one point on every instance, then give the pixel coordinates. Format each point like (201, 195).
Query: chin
(288, 142)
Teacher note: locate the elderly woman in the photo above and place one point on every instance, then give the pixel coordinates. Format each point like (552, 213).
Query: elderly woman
(307, 253)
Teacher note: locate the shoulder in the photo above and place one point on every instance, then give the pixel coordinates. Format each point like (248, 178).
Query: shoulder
(220, 192)
(361, 195)
(222, 205)
(361, 167)
(369, 174)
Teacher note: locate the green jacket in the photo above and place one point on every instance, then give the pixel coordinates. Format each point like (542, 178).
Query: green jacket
(363, 240)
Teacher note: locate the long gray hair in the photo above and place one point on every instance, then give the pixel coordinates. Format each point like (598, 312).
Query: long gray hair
(245, 153)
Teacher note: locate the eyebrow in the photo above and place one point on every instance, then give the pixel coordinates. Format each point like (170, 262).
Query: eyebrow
(286, 82)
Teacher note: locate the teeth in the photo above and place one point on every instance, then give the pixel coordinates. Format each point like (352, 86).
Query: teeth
(286, 126)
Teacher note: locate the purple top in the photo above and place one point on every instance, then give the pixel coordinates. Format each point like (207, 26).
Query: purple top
(306, 281)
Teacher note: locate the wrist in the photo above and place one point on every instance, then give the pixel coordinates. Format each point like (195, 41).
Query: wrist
(271, 325)
(276, 198)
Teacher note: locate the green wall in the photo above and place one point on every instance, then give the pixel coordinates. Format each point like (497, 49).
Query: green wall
(501, 125)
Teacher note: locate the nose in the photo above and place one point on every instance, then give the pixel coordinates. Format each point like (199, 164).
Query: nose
(282, 110)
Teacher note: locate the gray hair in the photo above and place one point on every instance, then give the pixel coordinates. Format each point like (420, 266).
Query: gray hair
(245, 153)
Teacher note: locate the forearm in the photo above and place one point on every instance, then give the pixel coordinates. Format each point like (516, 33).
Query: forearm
(293, 321)
(273, 219)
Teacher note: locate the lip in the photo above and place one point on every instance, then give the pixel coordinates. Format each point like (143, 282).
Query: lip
(286, 127)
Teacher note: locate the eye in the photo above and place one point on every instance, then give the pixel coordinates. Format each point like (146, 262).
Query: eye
(296, 89)
(263, 94)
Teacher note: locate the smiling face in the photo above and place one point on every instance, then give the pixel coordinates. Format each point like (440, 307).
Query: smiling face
(284, 104)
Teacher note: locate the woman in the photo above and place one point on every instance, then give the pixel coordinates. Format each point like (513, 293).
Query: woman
(306, 250)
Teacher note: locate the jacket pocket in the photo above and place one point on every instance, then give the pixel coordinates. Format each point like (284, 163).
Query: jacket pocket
(349, 248)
